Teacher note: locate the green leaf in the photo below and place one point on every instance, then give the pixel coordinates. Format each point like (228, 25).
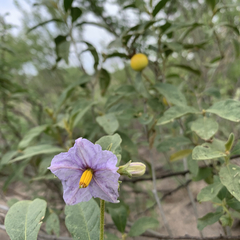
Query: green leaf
(53, 224)
(234, 204)
(67, 92)
(236, 149)
(209, 192)
(63, 50)
(208, 219)
(228, 109)
(205, 127)
(229, 142)
(104, 80)
(171, 93)
(226, 220)
(192, 166)
(236, 45)
(82, 220)
(175, 112)
(204, 152)
(141, 225)
(34, 132)
(140, 87)
(187, 68)
(211, 3)
(180, 155)
(67, 4)
(111, 143)
(230, 178)
(23, 219)
(7, 157)
(119, 217)
(160, 5)
(108, 122)
(36, 150)
(203, 173)
(127, 143)
(45, 22)
(75, 13)
(172, 143)
(94, 53)
(79, 115)
(44, 164)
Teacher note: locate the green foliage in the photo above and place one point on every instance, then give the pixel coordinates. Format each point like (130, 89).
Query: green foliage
(23, 220)
(82, 220)
(184, 104)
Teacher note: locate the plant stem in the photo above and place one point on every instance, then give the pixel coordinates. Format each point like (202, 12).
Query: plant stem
(102, 209)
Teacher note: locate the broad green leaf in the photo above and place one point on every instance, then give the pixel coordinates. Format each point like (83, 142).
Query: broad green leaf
(34, 132)
(53, 224)
(125, 90)
(104, 80)
(140, 87)
(205, 127)
(160, 5)
(175, 112)
(36, 150)
(7, 157)
(82, 220)
(203, 173)
(180, 154)
(23, 219)
(75, 13)
(108, 122)
(212, 91)
(229, 142)
(228, 109)
(204, 152)
(67, 92)
(234, 204)
(230, 178)
(173, 143)
(45, 22)
(67, 4)
(171, 93)
(141, 225)
(187, 68)
(119, 217)
(116, 54)
(192, 165)
(209, 192)
(236, 149)
(111, 143)
(208, 219)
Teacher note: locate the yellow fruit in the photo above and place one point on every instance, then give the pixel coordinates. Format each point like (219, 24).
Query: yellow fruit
(139, 61)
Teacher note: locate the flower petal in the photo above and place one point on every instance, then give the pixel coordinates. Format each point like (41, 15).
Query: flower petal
(107, 161)
(63, 166)
(73, 194)
(86, 152)
(104, 185)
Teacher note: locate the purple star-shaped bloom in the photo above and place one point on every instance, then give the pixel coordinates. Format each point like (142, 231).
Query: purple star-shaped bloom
(70, 166)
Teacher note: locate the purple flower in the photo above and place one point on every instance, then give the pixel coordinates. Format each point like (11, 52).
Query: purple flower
(86, 171)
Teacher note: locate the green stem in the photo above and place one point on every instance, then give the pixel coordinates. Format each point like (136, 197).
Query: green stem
(102, 209)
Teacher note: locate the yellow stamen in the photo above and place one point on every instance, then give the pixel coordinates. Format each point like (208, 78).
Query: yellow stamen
(85, 178)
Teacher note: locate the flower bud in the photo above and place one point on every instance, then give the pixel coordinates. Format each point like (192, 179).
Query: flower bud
(135, 169)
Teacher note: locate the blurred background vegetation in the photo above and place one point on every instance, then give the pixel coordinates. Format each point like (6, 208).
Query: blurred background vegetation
(58, 78)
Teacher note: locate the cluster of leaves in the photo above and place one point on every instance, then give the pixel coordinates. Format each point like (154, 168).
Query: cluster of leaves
(185, 104)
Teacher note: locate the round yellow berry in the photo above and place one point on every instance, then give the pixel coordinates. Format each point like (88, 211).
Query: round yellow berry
(139, 61)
